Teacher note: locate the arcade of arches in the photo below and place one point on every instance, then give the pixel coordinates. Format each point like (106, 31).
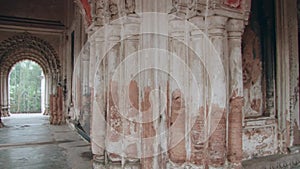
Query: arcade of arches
(165, 84)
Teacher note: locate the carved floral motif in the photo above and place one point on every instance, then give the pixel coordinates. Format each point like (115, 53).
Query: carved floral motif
(100, 11)
(113, 10)
(185, 8)
(130, 6)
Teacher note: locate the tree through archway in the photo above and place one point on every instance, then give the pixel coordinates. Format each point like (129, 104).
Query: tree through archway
(27, 46)
(26, 87)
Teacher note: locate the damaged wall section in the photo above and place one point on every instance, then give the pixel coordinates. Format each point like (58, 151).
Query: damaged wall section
(260, 132)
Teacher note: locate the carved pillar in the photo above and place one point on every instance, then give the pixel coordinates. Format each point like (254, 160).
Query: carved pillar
(92, 64)
(54, 110)
(46, 96)
(198, 134)
(131, 105)
(114, 125)
(1, 97)
(1, 93)
(282, 73)
(51, 109)
(48, 90)
(98, 121)
(235, 30)
(177, 112)
(5, 108)
(217, 140)
(294, 67)
(85, 91)
(60, 113)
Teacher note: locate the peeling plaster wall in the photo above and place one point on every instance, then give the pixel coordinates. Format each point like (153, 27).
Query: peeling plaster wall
(260, 130)
(270, 117)
(130, 111)
(259, 138)
(115, 129)
(295, 81)
(253, 73)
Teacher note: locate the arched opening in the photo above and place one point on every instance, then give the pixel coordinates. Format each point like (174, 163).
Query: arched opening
(25, 46)
(26, 88)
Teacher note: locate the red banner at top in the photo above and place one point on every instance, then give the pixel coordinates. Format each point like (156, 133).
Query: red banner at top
(87, 9)
(233, 3)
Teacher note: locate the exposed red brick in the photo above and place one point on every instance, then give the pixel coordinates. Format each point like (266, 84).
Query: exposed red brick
(146, 100)
(235, 152)
(198, 149)
(146, 163)
(114, 119)
(177, 150)
(56, 108)
(148, 131)
(217, 140)
(288, 134)
(60, 113)
(134, 94)
(296, 134)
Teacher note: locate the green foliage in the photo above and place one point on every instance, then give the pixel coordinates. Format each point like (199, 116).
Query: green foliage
(25, 87)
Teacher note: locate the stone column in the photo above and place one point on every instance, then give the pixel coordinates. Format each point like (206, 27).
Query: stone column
(49, 90)
(85, 91)
(1, 93)
(235, 30)
(47, 94)
(1, 98)
(217, 140)
(98, 121)
(46, 112)
(92, 63)
(5, 95)
(199, 130)
(130, 46)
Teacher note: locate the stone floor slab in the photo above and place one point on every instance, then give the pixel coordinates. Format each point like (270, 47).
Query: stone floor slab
(29, 141)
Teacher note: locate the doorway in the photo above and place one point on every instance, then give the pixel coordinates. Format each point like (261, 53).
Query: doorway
(26, 88)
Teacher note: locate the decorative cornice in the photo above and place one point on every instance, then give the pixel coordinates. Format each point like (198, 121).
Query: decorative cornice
(22, 43)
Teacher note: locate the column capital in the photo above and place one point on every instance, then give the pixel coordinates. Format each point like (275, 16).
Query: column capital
(2, 74)
(217, 21)
(217, 25)
(92, 29)
(235, 27)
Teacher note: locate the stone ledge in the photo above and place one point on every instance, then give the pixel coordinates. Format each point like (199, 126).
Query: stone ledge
(284, 161)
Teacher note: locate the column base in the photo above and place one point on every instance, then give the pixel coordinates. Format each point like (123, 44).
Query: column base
(46, 112)
(5, 114)
(1, 125)
(99, 163)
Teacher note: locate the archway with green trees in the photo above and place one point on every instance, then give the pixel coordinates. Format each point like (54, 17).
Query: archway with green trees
(26, 87)
(24, 46)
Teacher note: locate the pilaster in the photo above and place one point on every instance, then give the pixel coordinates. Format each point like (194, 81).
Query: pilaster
(217, 140)
(235, 29)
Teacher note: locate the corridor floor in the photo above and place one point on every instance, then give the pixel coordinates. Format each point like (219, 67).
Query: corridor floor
(28, 141)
